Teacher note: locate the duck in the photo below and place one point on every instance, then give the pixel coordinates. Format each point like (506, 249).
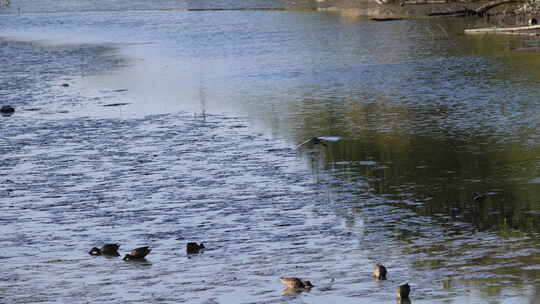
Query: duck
(295, 283)
(379, 271)
(107, 249)
(138, 253)
(193, 247)
(532, 21)
(7, 109)
(403, 291)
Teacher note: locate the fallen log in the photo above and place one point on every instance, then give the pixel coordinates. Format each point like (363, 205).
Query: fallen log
(503, 29)
(386, 19)
(463, 12)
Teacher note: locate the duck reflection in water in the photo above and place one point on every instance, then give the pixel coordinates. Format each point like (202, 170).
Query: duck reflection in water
(403, 292)
(404, 301)
(294, 291)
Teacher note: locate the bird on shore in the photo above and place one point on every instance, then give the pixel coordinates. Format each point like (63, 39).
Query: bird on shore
(532, 21)
(319, 140)
(403, 291)
(379, 272)
(295, 283)
(193, 247)
(107, 249)
(138, 253)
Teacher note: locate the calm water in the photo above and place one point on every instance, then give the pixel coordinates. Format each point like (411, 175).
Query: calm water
(182, 126)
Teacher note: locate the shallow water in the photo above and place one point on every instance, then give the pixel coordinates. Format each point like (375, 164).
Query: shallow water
(182, 126)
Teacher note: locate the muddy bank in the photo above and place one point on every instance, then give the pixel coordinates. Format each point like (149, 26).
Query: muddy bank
(369, 8)
(346, 8)
(411, 9)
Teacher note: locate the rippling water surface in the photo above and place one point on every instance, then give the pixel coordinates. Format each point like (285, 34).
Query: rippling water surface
(180, 126)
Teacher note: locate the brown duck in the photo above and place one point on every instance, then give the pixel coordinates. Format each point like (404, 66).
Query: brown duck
(379, 271)
(107, 249)
(295, 283)
(138, 253)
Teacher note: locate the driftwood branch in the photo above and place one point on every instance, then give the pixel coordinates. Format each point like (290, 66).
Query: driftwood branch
(503, 29)
(480, 11)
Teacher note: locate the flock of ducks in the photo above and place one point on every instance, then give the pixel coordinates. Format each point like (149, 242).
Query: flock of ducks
(379, 272)
(293, 284)
(137, 254)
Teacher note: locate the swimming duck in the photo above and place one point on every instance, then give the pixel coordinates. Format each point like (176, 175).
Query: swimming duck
(403, 291)
(379, 271)
(295, 283)
(7, 109)
(107, 249)
(193, 247)
(138, 253)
